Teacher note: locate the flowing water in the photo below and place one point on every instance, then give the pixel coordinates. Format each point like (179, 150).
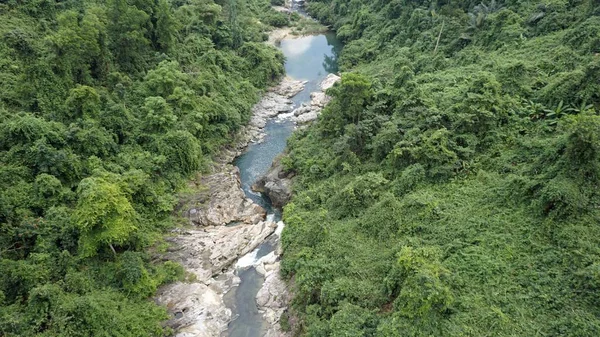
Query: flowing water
(308, 58)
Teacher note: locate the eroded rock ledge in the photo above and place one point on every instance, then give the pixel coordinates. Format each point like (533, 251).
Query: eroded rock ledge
(220, 201)
(276, 184)
(207, 252)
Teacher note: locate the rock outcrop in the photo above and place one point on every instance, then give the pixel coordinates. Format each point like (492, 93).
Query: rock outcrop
(220, 200)
(309, 112)
(273, 298)
(211, 250)
(197, 307)
(329, 81)
(276, 184)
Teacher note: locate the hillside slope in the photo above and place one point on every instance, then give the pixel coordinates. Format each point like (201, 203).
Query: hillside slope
(106, 109)
(451, 186)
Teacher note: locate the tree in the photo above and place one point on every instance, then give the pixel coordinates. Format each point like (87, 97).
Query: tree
(83, 102)
(103, 214)
(162, 80)
(351, 98)
(164, 30)
(159, 114)
(77, 44)
(127, 30)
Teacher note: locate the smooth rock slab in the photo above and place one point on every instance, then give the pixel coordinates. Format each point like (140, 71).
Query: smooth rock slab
(209, 251)
(197, 308)
(329, 81)
(273, 297)
(223, 201)
(289, 87)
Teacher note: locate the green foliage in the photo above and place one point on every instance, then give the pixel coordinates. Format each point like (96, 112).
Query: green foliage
(451, 186)
(106, 109)
(103, 215)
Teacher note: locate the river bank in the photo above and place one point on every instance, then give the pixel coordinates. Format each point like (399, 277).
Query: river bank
(226, 226)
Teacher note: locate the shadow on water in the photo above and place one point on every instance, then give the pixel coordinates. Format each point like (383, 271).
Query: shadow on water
(249, 323)
(258, 158)
(308, 58)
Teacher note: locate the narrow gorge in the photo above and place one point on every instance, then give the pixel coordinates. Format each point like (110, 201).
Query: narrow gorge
(232, 247)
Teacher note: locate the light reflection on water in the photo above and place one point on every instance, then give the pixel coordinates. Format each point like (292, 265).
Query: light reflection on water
(310, 58)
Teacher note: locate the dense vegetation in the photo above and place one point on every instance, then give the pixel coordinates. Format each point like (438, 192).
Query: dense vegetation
(451, 188)
(106, 108)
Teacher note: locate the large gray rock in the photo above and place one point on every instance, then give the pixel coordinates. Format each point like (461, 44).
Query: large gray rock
(197, 307)
(307, 113)
(307, 117)
(274, 297)
(276, 184)
(329, 81)
(319, 99)
(288, 87)
(209, 251)
(220, 200)
(302, 109)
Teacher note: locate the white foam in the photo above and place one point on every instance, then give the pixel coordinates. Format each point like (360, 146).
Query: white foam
(285, 115)
(279, 229)
(247, 260)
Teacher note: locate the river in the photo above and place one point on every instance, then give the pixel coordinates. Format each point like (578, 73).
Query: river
(308, 58)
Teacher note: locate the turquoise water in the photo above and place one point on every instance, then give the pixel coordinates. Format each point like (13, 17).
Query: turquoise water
(308, 58)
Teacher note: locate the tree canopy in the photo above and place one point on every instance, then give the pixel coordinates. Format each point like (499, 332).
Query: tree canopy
(106, 109)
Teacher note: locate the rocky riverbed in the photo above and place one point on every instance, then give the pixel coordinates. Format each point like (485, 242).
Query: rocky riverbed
(276, 101)
(224, 225)
(309, 112)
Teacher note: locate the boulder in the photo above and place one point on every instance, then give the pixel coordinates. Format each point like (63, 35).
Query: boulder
(289, 87)
(271, 105)
(307, 117)
(220, 200)
(276, 184)
(329, 81)
(273, 297)
(319, 99)
(196, 309)
(302, 109)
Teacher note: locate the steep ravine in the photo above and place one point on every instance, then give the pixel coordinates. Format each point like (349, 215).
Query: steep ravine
(231, 249)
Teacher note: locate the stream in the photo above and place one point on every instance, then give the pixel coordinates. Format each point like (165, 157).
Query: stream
(308, 58)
